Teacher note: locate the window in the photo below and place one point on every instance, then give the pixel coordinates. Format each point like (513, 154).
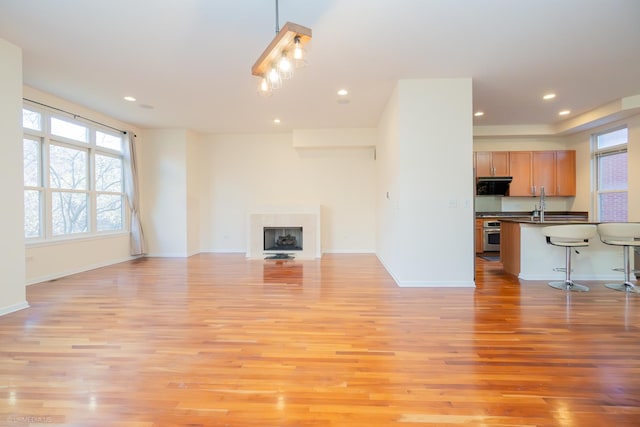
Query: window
(33, 190)
(109, 189)
(73, 177)
(610, 159)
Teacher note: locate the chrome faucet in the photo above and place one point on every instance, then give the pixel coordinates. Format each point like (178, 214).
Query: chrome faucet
(538, 209)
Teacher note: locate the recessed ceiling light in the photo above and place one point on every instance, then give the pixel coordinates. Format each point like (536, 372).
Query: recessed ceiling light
(549, 96)
(564, 112)
(129, 98)
(343, 92)
(479, 113)
(276, 121)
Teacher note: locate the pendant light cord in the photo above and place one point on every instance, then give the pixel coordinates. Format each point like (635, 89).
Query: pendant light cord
(277, 19)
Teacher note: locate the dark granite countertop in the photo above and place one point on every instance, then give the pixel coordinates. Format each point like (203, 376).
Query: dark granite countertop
(548, 221)
(551, 215)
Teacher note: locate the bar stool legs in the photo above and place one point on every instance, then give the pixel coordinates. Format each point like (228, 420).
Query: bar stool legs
(627, 286)
(568, 284)
(569, 236)
(626, 235)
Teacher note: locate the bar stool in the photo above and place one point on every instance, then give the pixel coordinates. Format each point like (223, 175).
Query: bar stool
(569, 236)
(621, 234)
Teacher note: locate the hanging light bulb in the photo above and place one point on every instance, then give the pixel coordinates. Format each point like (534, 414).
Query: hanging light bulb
(298, 53)
(274, 79)
(284, 67)
(265, 88)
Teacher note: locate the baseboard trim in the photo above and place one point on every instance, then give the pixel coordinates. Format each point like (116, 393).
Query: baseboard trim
(13, 308)
(427, 284)
(59, 275)
(438, 284)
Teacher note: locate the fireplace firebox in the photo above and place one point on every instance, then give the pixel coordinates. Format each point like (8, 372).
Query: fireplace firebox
(282, 238)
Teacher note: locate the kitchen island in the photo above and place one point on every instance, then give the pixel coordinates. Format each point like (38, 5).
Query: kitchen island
(487, 222)
(525, 253)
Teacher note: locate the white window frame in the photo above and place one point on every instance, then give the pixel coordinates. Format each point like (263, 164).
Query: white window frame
(595, 154)
(46, 139)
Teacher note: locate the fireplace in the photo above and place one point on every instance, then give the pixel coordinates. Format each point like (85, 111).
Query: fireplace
(267, 224)
(282, 238)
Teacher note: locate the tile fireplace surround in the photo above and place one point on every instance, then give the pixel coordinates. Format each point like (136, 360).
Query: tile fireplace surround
(307, 217)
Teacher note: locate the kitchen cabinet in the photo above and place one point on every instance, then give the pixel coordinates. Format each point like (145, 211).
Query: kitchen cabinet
(566, 173)
(543, 172)
(479, 236)
(491, 163)
(520, 167)
(532, 170)
(510, 241)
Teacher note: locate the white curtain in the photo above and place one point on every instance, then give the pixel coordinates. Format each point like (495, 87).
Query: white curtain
(136, 237)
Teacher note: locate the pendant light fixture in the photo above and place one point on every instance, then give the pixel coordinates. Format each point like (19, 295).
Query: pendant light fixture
(282, 56)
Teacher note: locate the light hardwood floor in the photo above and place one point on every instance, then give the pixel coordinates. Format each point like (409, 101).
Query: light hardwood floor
(217, 340)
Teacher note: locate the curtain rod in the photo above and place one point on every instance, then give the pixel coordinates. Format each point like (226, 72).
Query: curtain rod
(75, 116)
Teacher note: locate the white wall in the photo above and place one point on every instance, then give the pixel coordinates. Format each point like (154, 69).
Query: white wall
(163, 191)
(12, 253)
(52, 260)
(251, 170)
(194, 192)
(431, 158)
(388, 165)
(519, 143)
(334, 138)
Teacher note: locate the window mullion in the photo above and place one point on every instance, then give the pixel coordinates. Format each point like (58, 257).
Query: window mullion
(93, 209)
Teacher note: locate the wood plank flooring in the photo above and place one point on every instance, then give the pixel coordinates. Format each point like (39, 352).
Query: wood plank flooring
(217, 340)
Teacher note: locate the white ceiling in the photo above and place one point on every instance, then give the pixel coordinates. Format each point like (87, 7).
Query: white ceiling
(191, 59)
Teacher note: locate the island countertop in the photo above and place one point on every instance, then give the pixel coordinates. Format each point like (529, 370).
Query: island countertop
(548, 221)
(527, 214)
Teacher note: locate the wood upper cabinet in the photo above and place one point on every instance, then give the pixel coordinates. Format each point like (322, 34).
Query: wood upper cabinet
(520, 167)
(492, 163)
(566, 173)
(543, 172)
(533, 170)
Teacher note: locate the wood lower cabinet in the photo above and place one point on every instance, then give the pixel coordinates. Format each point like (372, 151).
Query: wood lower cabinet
(510, 247)
(479, 236)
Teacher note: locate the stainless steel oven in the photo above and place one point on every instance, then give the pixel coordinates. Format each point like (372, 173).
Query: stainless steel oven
(491, 236)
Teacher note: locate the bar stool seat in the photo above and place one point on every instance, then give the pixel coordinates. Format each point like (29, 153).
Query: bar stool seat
(569, 236)
(624, 234)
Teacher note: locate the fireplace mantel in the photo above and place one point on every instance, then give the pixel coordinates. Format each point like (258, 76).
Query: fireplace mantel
(307, 217)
